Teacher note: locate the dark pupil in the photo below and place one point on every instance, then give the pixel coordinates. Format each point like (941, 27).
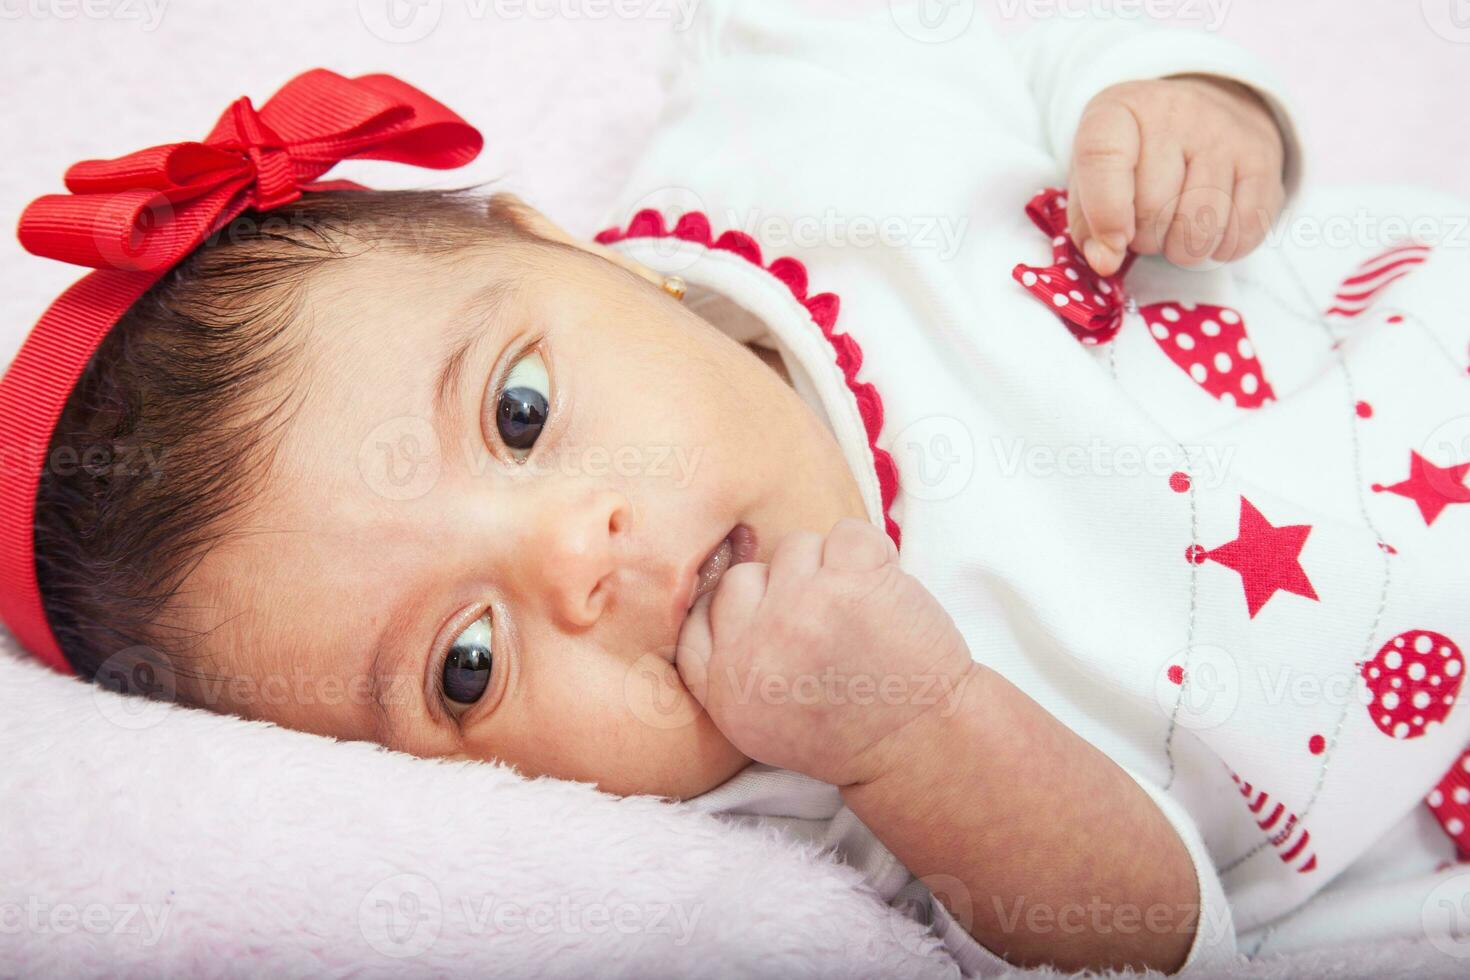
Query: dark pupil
(521, 414)
(466, 673)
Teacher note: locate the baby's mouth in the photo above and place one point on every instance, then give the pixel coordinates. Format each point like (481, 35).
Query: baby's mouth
(737, 546)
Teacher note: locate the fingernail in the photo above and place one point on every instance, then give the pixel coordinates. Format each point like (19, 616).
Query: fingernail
(1096, 253)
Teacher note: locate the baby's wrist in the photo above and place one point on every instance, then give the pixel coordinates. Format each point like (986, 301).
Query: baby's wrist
(953, 717)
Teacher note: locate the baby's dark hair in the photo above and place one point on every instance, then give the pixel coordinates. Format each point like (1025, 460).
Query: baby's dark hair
(169, 433)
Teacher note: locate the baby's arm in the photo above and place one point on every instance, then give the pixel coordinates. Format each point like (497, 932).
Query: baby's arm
(1061, 857)
(834, 662)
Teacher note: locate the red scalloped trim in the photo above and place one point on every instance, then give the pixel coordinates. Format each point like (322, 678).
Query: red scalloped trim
(694, 226)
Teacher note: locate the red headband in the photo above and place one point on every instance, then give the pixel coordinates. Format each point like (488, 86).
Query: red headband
(135, 217)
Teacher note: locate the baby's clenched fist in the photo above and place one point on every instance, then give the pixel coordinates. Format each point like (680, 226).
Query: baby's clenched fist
(1190, 167)
(819, 660)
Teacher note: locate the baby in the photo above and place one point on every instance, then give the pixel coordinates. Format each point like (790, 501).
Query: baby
(425, 469)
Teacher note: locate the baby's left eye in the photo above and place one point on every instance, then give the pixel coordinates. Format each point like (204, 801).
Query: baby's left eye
(525, 400)
(465, 673)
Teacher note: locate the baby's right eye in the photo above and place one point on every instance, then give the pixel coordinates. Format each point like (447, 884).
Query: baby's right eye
(523, 403)
(466, 672)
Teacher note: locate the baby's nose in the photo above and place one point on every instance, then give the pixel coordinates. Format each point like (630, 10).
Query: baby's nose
(581, 549)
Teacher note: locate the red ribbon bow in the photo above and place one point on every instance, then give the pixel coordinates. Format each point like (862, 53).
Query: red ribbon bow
(1089, 304)
(145, 211)
(1209, 343)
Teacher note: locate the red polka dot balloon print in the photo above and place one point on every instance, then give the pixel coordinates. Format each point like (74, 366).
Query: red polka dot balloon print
(1414, 681)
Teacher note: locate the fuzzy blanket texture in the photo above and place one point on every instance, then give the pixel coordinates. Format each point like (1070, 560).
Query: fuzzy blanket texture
(142, 839)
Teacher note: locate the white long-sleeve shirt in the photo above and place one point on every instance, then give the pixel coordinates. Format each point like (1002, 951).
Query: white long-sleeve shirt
(1224, 544)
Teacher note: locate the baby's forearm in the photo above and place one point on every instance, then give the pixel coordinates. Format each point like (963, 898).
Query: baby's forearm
(1039, 844)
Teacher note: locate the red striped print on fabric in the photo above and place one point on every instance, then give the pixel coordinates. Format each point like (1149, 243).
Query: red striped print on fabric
(1359, 290)
(1282, 827)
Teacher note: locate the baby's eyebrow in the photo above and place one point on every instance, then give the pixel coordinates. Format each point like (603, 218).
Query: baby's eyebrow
(468, 325)
(391, 691)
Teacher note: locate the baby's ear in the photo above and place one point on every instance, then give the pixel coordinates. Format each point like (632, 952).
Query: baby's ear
(536, 223)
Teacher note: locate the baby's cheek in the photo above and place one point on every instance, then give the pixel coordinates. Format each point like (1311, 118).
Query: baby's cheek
(631, 729)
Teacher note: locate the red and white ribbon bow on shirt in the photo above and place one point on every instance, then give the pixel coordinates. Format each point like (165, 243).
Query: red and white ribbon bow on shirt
(1209, 343)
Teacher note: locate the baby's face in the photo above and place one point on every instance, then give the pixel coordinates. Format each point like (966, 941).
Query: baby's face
(498, 567)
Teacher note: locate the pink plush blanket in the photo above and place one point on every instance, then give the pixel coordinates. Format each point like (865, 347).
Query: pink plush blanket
(141, 839)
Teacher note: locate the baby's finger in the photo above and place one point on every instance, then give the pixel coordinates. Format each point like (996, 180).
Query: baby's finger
(694, 648)
(1076, 219)
(795, 559)
(1160, 179)
(1105, 157)
(1202, 214)
(1258, 199)
(734, 602)
(1230, 240)
(855, 546)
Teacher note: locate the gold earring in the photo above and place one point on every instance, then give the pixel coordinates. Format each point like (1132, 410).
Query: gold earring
(675, 287)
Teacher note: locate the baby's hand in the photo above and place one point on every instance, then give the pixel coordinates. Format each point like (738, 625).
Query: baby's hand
(1188, 166)
(815, 661)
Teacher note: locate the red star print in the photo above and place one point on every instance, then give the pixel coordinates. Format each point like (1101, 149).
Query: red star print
(1267, 558)
(1432, 487)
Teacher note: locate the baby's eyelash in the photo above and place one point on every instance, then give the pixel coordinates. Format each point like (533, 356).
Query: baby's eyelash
(497, 388)
(503, 374)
